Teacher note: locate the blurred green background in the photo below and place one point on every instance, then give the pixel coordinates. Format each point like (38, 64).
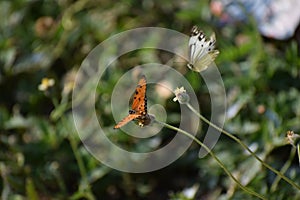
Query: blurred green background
(41, 155)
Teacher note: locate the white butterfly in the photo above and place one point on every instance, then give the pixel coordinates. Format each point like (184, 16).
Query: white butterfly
(201, 51)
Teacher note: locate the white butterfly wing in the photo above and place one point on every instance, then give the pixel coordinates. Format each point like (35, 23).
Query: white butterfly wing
(192, 48)
(201, 51)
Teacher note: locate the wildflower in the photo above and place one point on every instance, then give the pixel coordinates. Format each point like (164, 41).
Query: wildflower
(181, 96)
(293, 138)
(46, 83)
(69, 81)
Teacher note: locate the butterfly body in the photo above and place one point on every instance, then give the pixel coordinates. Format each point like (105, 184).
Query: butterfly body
(201, 51)
(138, 111)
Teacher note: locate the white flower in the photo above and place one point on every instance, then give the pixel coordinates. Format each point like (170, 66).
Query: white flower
(46, 83)
(181, 95)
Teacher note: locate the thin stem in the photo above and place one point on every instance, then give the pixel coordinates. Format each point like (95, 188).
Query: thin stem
(73, 146)
(244, 146)
(298, 152)
(215, 157)
(283, 170)
(86, 188)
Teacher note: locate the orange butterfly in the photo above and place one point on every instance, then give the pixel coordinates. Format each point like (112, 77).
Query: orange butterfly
(139, 106)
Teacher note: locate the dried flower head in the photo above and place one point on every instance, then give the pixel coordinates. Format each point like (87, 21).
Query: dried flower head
(292, 138)
(45, 26)
(181, 96)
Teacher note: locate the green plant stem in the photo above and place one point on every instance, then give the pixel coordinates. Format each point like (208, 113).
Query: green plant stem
(78, 159)
(86, 188)
(298, 152)
(73, 146)
(214, 156)
(283, 170)
(244, 146)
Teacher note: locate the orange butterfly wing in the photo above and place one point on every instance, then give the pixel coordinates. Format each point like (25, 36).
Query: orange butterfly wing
(126, 120)
(139, 104)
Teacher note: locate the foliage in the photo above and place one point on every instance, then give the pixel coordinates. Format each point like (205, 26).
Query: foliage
(41, 155)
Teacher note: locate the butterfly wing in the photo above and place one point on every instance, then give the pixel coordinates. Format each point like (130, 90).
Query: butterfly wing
(196, 39)
(201, 51)
(139, 104)
(127, 119)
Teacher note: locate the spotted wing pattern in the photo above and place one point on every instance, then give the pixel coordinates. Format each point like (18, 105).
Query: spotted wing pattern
(139, 106)
(201, 51)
